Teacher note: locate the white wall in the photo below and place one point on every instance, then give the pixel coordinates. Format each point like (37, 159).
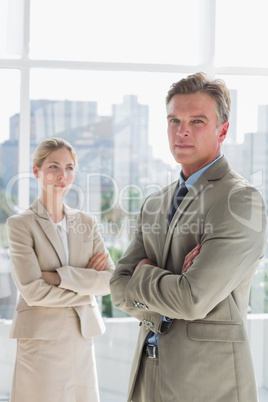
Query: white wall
(258, 339)
(114, 354)
(7, 357)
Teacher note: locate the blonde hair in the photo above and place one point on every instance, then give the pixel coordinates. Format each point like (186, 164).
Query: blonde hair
(50, 145)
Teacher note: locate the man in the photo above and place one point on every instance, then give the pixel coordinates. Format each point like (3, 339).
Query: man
(192, 345)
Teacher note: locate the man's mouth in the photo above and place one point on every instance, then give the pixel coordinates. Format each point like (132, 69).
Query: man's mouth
(184, 146)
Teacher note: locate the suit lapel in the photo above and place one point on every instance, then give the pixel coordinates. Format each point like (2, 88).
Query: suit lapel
(213, 173)
(184, 206)
(164, 215)
(49, 229)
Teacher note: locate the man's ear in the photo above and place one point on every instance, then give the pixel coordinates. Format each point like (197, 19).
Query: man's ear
(35, 171)
(223, 131)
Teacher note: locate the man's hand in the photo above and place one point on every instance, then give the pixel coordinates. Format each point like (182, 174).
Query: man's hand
(97, 262)
(144, 261)
(188, 260)
(52, 278)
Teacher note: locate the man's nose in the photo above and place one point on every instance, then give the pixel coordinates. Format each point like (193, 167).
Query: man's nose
(183, 129)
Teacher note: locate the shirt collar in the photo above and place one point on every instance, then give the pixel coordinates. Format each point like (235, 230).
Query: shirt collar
(195, 176)
(61, 223)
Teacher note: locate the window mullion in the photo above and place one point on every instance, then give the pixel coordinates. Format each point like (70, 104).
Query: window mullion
(24, 132)
(207, 29)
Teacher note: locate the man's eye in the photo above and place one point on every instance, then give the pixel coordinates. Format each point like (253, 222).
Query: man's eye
(198, 121)
(174, 120)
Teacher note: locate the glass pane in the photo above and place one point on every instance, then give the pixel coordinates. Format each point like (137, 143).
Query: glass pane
(247, 151)
(108, 89)
(115, 31)
(118, 126)
(241, 33)
(11, 13)
(9, 106)
(3, 26)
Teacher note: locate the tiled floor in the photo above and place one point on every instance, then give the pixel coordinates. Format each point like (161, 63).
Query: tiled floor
(107, 397)
(104, 397)
(263, 395)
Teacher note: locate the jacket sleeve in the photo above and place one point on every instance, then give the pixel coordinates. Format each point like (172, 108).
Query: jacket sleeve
(122, 279)
(27, 271)
(229, 255)
(89, 281)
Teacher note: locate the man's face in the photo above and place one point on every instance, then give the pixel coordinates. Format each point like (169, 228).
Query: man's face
(193, 133)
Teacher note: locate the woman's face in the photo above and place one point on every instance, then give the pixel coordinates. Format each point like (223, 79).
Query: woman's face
(56, 173)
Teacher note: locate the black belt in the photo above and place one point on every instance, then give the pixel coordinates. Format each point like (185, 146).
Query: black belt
(151, 351)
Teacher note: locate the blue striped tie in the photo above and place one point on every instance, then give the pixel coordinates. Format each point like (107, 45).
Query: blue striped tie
(181, 193)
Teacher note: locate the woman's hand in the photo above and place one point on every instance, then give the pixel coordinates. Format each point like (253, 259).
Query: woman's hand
(52, 278)
(188, 260)
(97, 262)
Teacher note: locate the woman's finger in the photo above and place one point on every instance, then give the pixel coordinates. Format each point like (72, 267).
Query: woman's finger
(97, 261)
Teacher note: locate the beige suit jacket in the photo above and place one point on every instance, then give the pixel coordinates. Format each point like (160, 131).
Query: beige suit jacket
(35, 246)
(204, 352)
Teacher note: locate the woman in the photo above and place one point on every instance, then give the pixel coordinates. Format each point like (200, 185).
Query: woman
(59, 263)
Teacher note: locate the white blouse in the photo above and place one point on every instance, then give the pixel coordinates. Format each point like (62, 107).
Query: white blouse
(61, 228)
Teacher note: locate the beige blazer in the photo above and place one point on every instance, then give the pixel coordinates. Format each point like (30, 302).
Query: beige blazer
(204, 351)
(35, 246)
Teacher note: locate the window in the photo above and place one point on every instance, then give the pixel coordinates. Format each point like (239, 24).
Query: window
(97, 73)
(11, 24)
(9, 105)
(241, 30)
(98, 33)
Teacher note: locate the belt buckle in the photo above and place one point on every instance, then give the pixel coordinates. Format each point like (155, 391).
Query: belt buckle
(151, 351)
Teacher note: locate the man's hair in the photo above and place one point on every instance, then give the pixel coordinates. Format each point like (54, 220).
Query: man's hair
(199, 82)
